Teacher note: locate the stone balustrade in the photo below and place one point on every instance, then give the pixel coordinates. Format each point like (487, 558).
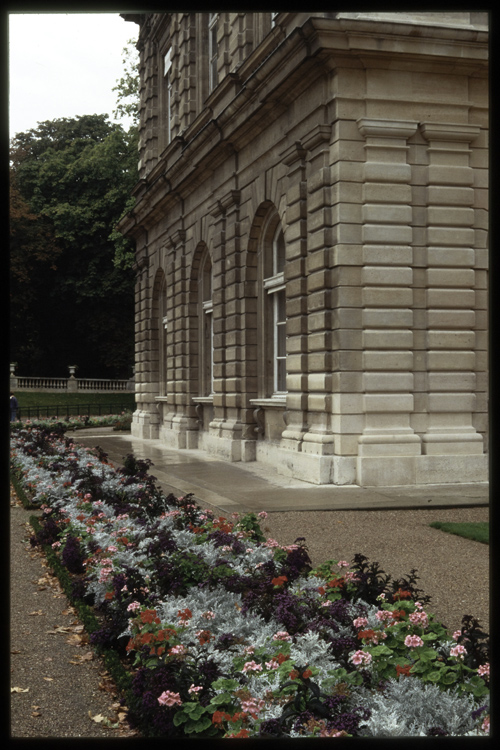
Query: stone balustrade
(71, 384)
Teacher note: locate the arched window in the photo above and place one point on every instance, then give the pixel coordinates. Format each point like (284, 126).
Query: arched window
(273, 309)
(162, 338)
(206, 328)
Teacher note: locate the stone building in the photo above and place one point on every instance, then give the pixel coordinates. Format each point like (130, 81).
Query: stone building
(311, 242)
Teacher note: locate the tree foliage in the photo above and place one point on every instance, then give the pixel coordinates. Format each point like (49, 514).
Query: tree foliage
(71, 303)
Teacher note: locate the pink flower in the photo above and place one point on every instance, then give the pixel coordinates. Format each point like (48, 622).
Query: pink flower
(413, 641)
(419, 618)
(484, 670)
(485, 726)
(282, 635)
(168, 698)
(262, 514)
(342, 564)
(273, 664)
(360, 657)
(133, 606)
(360, 622)
(383, 614)
(456, 635)
(271, 543)
(180, 649)
(458, 652)
(194, 689)
(253, 706)
(252, 666)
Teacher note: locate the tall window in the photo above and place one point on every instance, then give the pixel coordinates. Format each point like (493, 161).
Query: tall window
(213, 78)
(206, 348)
(167, 75)
(162, 338)
(275, 313)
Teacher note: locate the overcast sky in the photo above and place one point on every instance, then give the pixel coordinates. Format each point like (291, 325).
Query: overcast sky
(64, 65)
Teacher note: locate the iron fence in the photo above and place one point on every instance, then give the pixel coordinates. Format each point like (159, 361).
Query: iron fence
(70, 410)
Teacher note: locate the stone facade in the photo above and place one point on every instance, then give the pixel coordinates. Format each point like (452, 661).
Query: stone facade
(311, 242)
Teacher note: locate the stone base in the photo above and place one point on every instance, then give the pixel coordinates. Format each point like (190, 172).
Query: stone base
(387, 471)
(227, 448)
(143, 426)
(308, 467)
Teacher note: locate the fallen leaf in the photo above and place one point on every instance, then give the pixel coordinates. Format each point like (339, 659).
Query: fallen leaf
(38, 612)
(16, 651)
(19, 690)
(98, 718)
(49, 679)
(36, 713)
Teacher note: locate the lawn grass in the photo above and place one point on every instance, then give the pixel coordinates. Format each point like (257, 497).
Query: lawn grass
(478, 531)
(59, 403)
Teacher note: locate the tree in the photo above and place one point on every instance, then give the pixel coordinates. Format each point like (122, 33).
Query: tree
(74, 177)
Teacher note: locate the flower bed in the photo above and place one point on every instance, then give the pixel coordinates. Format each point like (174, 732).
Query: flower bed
(60, 425)
(228, 634)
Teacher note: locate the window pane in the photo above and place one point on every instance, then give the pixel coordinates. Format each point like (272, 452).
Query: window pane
(279, 251)
(281, 375)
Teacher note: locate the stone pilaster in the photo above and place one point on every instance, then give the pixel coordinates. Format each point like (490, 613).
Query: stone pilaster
(450, 335)
(388, 445)
(145, 419)
(180, 425)
(148, 112)
(225, 429)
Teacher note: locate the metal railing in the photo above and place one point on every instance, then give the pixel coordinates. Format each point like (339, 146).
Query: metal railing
(70, 410)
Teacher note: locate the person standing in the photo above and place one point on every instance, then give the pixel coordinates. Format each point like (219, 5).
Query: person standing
(13, 407)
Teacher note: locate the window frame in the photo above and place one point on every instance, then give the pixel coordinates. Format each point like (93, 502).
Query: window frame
(213, 73)
(273, 309)
(206, 326)
(167, 79)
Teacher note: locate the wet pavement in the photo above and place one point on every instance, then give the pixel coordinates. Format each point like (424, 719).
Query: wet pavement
(244, 487)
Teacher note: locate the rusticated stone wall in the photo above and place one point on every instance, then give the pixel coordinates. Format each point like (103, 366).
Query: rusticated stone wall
(364, 137)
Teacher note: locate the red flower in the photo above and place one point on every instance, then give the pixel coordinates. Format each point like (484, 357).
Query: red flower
(149, 615)
(307, 674)
(282, 657)
(241, 733)
(184, 614)
(293, 674)
(335, 583)
(109, 595)
(403, 670)
(401, 594)
(220, 716)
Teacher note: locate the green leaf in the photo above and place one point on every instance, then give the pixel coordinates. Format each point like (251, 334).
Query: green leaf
(180, 718)
(221, 698)
(198, 726)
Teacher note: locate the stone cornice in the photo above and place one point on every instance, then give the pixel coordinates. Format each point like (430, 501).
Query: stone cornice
(448, 131)
(383, 128)
(264, 91)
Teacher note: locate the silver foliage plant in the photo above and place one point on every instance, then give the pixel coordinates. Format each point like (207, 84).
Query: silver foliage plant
(410, 708)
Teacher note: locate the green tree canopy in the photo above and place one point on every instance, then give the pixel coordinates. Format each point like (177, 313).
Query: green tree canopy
(73, 178)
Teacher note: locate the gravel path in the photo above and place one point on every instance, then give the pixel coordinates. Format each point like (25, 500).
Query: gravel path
(60, 680)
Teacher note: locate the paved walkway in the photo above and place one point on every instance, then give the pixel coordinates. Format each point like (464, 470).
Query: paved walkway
(244, 487)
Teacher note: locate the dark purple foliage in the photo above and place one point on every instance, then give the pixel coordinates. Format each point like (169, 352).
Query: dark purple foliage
(73, 556)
